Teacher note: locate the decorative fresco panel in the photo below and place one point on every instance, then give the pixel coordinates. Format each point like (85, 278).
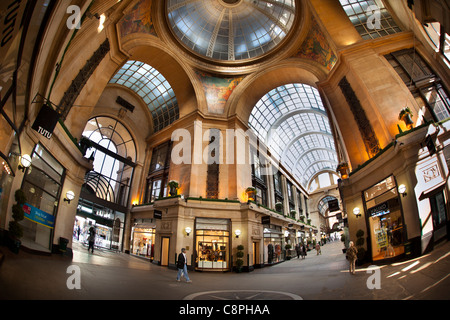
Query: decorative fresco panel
(138, 20)
(316, 47)
(217, 90)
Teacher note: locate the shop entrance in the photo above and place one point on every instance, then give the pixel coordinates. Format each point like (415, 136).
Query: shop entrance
(165, 244)
(256, 257)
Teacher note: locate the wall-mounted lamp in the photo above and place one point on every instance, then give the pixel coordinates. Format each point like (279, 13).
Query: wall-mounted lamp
(357, 212)
(25, 162)
(237, 232)
(402, 190)
(69, 196)
(188, 230)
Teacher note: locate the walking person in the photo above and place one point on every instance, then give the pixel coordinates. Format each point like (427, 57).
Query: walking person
(182, 266)
(303, 250)
(91, 239)
(351, 256)
(318, 249)
(297, 249)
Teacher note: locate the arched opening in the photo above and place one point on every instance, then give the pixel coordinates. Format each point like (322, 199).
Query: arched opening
(105, 194)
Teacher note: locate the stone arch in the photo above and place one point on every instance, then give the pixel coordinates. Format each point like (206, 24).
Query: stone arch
(253, 87)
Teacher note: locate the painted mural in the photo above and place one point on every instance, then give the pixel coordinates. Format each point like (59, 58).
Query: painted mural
(138, 20)
(217, 90)
(316, 47)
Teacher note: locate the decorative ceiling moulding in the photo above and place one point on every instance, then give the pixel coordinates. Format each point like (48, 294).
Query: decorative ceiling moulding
(283, 50)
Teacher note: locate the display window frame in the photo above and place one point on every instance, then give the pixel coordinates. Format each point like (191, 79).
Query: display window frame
(43, 163)
(212, 245)
(275, 254)
(151, 233)
(387, 211)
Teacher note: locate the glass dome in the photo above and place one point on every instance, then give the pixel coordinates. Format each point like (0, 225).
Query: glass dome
(231, 30)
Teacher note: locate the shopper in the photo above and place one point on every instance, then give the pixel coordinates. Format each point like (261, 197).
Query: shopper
(351, 256)
(303, 250)
(91, 239)
(318, 249)
(182, 266)
(297, 250)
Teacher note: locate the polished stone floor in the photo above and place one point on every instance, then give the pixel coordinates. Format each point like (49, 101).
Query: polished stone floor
(108, 275)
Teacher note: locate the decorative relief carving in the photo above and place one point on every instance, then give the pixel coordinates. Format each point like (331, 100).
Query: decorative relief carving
(166, 225)
(365, 128)
(80, 80)
(431, 173)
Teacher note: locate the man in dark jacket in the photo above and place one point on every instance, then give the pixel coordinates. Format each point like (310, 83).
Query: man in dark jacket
(182, 266)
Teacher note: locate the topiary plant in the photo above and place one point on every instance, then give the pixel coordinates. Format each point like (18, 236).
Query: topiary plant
(15, 229)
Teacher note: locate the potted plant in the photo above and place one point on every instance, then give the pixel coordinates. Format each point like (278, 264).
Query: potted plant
(240, 256)
(342, 168)
(293, 213)
(302, 218)
(15, 229)
(406, 116)
(360, 246)
(278, 206)
(173, 186)
(288, 251)
(308, 221)
(84, 144)
(251, 193)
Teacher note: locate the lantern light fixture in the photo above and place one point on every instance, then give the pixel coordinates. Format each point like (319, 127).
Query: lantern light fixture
(25, 162)
(69, 196)
(402, 190)
(357, 212)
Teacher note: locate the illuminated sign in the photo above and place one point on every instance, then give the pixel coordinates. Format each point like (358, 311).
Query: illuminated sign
(379, 210)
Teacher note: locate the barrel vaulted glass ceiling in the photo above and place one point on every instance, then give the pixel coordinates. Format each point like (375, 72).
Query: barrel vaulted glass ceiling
(292, 121)
(153, 88)
(231, 29)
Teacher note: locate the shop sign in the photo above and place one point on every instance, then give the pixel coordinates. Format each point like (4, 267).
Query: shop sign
(379, 210)
(265, 220)
(157, 214)
(36, 215)
(46, 121)
(333, 205)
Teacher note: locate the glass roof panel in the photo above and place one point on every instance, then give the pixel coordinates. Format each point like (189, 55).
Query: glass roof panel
(153, 88)
(230, 30)
(291, 120)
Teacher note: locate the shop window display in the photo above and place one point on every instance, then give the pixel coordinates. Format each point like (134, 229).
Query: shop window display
(42, 187)
(143, 242)
(273, 244)
(212, 244)
(385, 220)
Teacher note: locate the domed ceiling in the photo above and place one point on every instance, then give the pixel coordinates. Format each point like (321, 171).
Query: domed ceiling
(230, 30)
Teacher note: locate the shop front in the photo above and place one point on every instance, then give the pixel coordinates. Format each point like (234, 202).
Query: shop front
(274, 239)
(212, 244)
(385, 220)
(143, 238)
(42, 186)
